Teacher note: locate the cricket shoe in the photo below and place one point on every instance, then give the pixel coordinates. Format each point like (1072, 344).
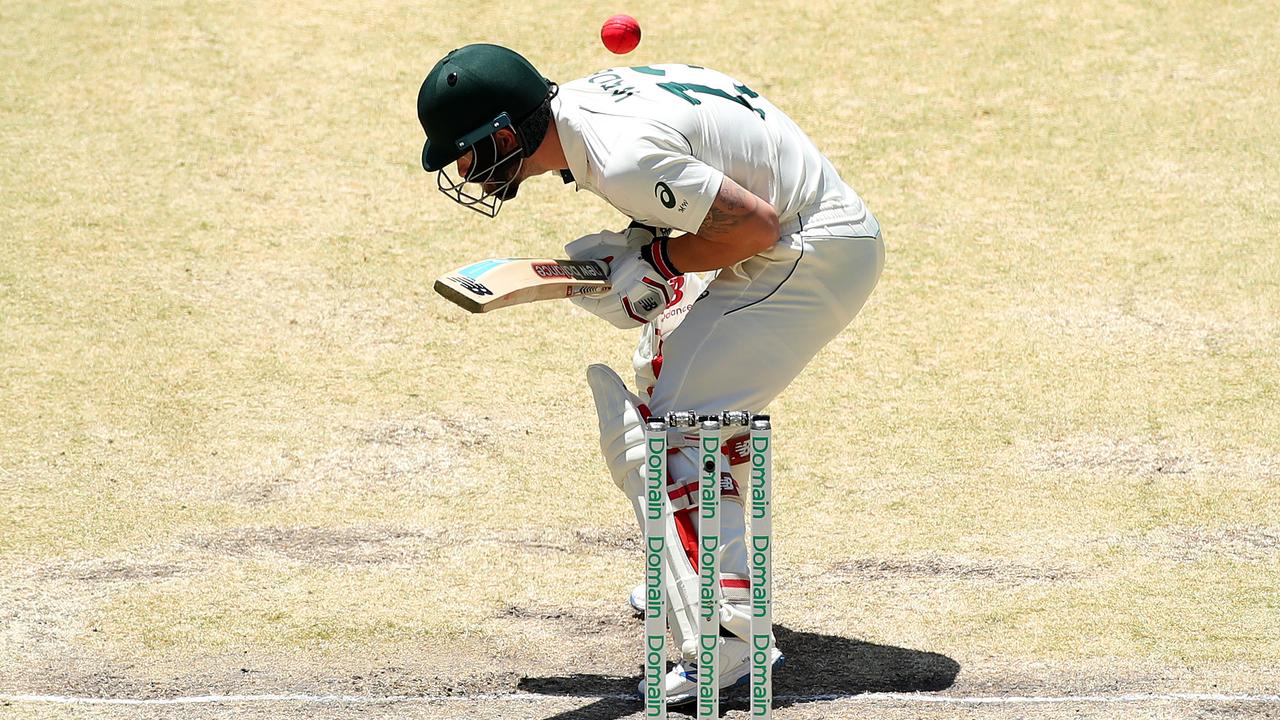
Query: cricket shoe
(735, 670)
(636, 599)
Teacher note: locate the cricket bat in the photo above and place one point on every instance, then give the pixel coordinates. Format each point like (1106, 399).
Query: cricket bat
(502, 282)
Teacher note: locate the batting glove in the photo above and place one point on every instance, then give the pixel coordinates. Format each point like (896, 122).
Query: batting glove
(606, 245)
(640, 290)
(638, 234)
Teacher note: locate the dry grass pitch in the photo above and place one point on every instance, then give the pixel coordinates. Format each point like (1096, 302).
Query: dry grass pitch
(245, 449)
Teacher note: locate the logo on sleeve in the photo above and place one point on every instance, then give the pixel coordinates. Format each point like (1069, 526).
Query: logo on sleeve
(668, 198)
(663, 191)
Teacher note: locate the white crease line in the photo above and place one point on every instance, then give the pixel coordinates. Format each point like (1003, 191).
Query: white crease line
(1031, 700)
(532, 697)
(294, 698)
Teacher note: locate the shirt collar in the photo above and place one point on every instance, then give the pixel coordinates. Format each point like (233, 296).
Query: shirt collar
(568, 124)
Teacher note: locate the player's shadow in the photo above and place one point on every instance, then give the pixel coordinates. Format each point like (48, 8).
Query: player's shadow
(817, 665)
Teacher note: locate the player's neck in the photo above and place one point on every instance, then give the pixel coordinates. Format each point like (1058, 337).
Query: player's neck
(549, 157)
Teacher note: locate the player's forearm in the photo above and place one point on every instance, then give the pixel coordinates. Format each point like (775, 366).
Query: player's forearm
(738, 226)
(694, 253)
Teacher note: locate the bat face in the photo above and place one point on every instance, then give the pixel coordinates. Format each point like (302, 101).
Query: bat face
(502, 282)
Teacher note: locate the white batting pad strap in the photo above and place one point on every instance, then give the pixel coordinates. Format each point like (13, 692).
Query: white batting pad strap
(642, 360)
(683, 494)
(621, 424)
(683, 581)
(735, 584)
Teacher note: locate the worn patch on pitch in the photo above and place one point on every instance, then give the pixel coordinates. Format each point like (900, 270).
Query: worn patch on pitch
(120, 570)
(376, 544)
(1196, 543)
(427, 455)
(356, 545)
(623, 538)
(49, 604)
(260, 672)
(1173, 329)
(574, 621)
(1146, 456)
(947, 567)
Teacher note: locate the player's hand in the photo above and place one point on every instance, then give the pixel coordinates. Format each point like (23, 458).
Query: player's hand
(615, 249)
(604, 245)
(638, 234)
(639, 289)
(638, 295)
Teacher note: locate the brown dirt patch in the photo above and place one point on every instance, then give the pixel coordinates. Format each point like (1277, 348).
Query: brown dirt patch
(113, 570)
(949, 567)
(359, 545)
(374, 544)
(403, 454)
(1173, 329)
(575, 621)
(1147, 456)
(1196, 543)
(617, 538)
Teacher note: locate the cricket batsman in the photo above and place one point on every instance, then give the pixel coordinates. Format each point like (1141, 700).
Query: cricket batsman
(746, 254)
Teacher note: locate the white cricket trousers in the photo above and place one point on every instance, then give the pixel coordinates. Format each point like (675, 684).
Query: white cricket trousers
(762, 321)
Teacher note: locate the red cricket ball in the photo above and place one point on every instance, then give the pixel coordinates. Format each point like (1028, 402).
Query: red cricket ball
(621, 34)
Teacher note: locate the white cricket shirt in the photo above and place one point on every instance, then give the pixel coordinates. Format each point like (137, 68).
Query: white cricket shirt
(655, 141)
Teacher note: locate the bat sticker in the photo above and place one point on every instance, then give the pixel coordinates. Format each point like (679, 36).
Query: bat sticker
(475, 287)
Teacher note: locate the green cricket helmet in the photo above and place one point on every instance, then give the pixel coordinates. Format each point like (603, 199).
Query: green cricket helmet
(471, 94)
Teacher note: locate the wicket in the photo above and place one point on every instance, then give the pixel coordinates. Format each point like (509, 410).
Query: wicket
(759, 548)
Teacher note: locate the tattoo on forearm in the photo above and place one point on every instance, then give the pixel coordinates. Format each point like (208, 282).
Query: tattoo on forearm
(732, 205)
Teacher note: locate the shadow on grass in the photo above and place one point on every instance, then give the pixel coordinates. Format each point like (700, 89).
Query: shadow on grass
(816, 665)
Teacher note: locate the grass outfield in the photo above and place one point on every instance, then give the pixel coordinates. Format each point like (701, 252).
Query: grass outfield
(245, 449)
